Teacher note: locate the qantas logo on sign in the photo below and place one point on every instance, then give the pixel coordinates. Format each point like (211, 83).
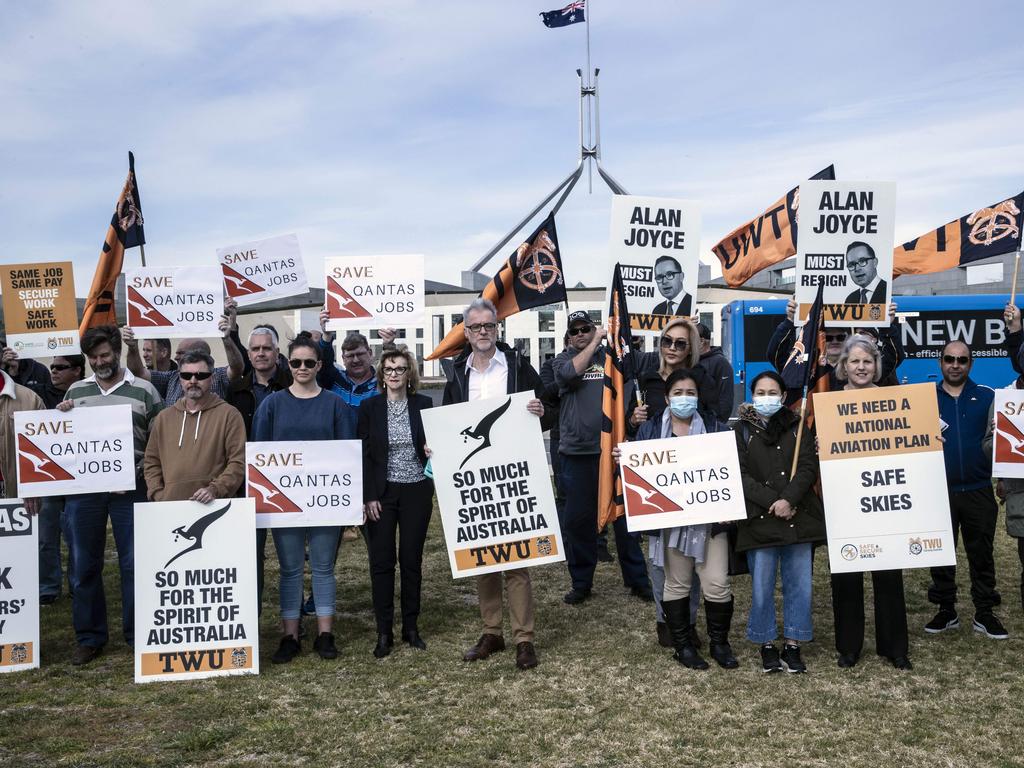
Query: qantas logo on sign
(340, 303)
(35, 466)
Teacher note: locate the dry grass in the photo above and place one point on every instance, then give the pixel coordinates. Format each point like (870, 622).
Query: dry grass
(604, 695)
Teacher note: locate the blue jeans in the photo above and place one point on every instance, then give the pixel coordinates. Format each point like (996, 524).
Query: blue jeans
(87, 520)
(796, 561)
(291, 554)
(53, 524)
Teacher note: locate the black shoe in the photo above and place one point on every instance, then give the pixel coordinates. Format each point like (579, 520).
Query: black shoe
(791, 658)
(412, 637)
(385, 642)
(604, 556)
(945, 619)
(644, 592)
(575, 596)
(664, 636)
(48, 599)
(286, 651)
(309, 607)
(677, 618)
(847, 660)
(901, 662)
(719, 616)
(324, 645)
(770, 659)
(83, 654)
(989, 625)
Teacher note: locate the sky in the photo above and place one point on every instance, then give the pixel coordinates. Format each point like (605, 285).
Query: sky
(434, 127)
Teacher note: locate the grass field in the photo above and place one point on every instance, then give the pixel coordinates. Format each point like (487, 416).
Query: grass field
(604, 695)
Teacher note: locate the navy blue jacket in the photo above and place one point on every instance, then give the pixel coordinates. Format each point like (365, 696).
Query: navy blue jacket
(968, 464)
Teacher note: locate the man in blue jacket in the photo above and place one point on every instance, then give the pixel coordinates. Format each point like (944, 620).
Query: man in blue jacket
(965, 409)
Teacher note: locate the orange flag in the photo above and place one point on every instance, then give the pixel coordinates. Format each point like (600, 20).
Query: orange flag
(125, 231)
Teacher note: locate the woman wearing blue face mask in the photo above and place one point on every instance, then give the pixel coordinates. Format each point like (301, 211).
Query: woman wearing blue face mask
(703, 549)
(784, 521)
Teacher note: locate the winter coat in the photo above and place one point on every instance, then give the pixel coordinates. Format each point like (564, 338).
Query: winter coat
(766, 457)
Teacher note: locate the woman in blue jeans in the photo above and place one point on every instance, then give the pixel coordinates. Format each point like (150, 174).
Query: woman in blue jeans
(304, 411)
(784, 520)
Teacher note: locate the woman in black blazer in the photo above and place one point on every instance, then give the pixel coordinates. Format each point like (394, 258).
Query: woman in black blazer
(396, 494)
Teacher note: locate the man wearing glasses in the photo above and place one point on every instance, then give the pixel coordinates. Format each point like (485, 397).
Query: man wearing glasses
(965, 409)
(489, 368)
(863, 268)
(668, 276)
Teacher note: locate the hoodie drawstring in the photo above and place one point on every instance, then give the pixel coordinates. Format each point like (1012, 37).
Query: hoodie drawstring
(181, 434)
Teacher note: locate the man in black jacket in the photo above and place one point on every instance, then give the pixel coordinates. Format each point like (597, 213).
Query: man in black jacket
(488, 368)
(719, 371)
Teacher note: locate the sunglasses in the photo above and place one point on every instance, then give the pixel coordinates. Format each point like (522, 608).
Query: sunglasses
(579, 330)
(197, 375)
(477, 327)
(835, 337)
(677, 344)
(59, 367)
(309, 364)
(400, 370)
(958, 359)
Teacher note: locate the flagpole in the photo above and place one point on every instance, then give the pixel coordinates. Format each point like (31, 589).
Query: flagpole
(1016, 271)
(799, 432)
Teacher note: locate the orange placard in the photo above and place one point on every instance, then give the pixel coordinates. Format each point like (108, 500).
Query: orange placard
(508, 552)
(14, 654)
(197, 660)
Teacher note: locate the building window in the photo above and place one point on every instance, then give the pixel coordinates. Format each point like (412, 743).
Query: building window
(456, 319)
(419, 333)
(546, 321)
(438, 328)
(523, 345)
(546, 347)
(595, 316)
(419, 358)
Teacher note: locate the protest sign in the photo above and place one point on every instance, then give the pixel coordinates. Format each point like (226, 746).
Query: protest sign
(85, 450)
(174, 302)
(1008, 435)
(883, 478)
(846, 241)
(374, 292)
(19, 587)
(195, 590)
(40, 315)
(493, 486)
(657, 243)
(303, 483)
(263, 270)
(681, 481)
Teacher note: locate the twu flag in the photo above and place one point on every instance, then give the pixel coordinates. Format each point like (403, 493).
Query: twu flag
(125, 231)
(801, 367)
(990, 231)
(617, 370)
(763, 241)
(573, 13)
(530, 277)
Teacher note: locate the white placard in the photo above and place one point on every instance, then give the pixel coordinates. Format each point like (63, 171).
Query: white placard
(299, 484)
(493, 485)
(195, 590)
(174, 302)
(883, 479)
(85, 450)
(656, 241)
(374, 292)
(846, 241)
(262, 270)
(19, 587)
(1008, 434)
(676, 481)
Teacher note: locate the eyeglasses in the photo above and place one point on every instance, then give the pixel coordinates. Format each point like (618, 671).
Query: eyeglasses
(958, 359)
(679, 345)
(835, 337)
(477, 327)
(399, 370)
(59, 367)
(667, 276)
(860, 263)
(197, 375)
(580, 329)
(308, 364)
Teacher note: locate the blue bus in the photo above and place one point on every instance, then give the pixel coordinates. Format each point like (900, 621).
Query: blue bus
(926, 324)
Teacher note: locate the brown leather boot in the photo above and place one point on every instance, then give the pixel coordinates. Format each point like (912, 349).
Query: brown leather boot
(485, 646)
(526, 655)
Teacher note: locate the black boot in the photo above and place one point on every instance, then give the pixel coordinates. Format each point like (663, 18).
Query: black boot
(719, 619)
(677, 616)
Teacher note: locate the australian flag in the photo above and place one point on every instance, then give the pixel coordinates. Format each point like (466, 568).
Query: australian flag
(573, 13)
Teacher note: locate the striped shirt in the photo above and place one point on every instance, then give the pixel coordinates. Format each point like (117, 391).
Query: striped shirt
(142, 396)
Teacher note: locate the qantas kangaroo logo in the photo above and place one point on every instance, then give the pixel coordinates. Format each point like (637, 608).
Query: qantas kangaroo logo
(35, 466)
(482, 431)
(194, 533)
(340, 303)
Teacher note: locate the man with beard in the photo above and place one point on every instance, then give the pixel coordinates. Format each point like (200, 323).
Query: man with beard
(87, 513)
(201, 455)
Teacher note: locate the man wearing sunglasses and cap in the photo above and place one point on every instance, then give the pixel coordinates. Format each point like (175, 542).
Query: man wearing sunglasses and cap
(579, 374)
(965, 410)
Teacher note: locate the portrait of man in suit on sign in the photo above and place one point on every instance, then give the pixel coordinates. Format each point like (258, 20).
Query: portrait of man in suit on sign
(668, 276)
(862, 264)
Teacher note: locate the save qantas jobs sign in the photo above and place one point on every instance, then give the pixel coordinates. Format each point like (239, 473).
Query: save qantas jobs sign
(263, 269)
(174, 302)
(374, 292)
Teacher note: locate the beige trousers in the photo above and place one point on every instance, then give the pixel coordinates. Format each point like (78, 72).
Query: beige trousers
(520, 603)
(713, 572)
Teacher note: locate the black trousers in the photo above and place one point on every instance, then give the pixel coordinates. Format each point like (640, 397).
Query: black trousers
(890, 613)
(974, 515)
(405, 506)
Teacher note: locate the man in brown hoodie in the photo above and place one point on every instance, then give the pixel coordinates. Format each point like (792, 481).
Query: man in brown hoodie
(196, 448)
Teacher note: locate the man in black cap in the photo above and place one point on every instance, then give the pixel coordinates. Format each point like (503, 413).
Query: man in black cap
(579, 374)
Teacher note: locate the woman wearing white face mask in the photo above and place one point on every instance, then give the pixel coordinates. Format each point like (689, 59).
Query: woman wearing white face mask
(703, 549)
(784, 521)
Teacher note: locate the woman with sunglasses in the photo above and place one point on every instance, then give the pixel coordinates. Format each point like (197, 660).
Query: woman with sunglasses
(304, 411)
(859, 367)
(398, 497)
